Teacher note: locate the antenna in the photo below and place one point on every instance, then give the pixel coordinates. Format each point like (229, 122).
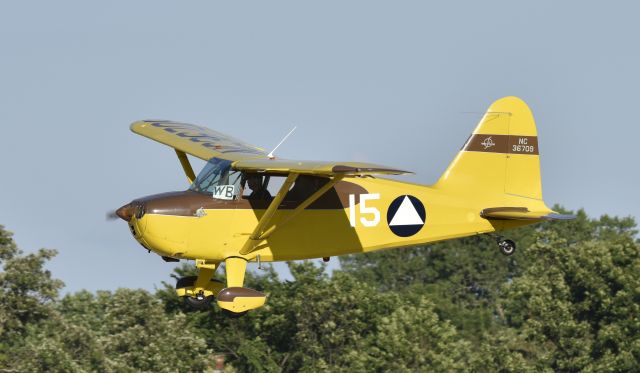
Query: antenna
(270, 155)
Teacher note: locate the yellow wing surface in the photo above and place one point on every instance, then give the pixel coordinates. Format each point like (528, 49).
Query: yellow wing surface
(205, 144)
(315, 167)
(198, 141)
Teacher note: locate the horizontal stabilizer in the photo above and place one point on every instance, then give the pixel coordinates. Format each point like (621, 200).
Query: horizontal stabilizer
(521, 213)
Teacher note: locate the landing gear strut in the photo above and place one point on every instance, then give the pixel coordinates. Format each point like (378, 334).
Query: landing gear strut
(235, 300)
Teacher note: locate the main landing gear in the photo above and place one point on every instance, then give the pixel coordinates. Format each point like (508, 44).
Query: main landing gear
(197, 299)
(235, 300)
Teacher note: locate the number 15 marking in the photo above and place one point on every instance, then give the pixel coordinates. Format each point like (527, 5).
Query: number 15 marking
(364, 210)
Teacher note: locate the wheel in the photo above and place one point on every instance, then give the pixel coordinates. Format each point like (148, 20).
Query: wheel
(199, 303)
(507, 247)
(233, 315)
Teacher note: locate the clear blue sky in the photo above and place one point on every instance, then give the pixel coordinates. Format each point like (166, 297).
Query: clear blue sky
(397, 83)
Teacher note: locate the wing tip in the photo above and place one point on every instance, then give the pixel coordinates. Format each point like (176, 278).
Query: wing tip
(556, 216)
(143, 123)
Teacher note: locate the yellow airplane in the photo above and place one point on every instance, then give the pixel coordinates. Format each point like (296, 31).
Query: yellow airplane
(247, 205)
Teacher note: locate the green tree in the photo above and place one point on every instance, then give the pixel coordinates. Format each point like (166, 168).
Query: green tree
(578, 304)
(27, 291)
(134, 332)
(568, 300)
(320, 323)
(242, 340)
(413, 338)
(463, 277)
(125, 330)
(56, 345)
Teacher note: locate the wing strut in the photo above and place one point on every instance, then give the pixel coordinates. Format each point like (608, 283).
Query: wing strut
(302, 206)
(258, 235)
(186, 166)
(254, 238)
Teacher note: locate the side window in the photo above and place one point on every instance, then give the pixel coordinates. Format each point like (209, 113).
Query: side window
(266, 187)
(275, 183)
(304, 187)
(256, 187)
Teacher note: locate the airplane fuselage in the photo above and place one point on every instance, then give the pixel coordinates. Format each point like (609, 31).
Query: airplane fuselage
(356, 215)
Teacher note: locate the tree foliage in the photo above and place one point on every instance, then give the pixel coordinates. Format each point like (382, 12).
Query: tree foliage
(121, 331)
(568, 300)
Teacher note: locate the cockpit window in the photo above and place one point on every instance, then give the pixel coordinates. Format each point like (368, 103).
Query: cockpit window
(217, 173)
(304, 187)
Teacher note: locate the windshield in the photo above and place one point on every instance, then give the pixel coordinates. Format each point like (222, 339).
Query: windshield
(217, 172)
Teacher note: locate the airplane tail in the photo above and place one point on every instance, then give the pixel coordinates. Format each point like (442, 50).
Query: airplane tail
(501, 157)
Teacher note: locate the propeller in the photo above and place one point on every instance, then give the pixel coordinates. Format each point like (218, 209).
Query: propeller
(125, 212)
(111, 215)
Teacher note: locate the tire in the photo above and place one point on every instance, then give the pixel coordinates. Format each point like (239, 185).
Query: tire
(507, 247)
(198, 304)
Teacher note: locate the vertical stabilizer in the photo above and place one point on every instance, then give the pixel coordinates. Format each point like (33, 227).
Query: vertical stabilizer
(501, 156)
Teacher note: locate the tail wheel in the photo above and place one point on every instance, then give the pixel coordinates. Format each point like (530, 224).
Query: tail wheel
(507, 247)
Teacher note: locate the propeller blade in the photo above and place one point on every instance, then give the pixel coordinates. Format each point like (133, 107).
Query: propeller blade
(111, 215)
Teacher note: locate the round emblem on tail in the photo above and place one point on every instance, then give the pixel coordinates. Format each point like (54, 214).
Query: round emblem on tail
(406, 216)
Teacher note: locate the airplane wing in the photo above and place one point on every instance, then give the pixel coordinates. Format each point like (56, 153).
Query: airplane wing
(205, 144)
(198, 141)
(315, 167)
(521, 213)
